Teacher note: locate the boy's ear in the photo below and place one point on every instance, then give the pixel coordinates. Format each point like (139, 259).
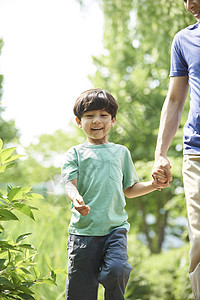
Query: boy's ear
(113, 121)
(78, 122)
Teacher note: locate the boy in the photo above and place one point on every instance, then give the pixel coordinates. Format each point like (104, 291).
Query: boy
(97, 174)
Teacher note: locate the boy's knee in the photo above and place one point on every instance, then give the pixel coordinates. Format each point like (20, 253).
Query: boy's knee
(115, 272)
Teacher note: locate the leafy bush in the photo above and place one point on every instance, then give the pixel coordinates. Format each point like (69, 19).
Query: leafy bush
(158, 276)
(18, 270)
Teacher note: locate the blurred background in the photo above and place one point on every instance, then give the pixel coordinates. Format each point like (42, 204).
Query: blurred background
(53, 50)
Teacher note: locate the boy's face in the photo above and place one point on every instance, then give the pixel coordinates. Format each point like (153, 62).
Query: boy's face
(193, 6)
(96, 125)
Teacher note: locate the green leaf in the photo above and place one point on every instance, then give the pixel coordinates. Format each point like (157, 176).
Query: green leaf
(25, 271)
(5, 245)
(2, 261)
(5, 153)
(23, 208)
(33, 207)
(23, 288)
(34, 196)
(15, 193)
(22, 237)
(46, 280)
(6, 282)
(26, 296)
(9, 187)
(3, 203)
(9, 254)
(11, 158)
(27, 190)
(27, 246)
(2, 169)
(53, 275)
(2, 196)
(36, 272)
(60, 271)
(10, 165)
(16, 278)
(6, 215)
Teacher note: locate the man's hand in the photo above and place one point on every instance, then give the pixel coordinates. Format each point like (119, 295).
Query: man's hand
(162, 164)
(80, 206)
(159, 179)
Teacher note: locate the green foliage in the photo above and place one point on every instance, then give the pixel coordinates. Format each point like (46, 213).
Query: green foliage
(1, 77)
(135, 64)
(162, 276)
(134, 67)
(50, 231)
(7, 128)
(161, 207)
(18, 270)
(43, 158)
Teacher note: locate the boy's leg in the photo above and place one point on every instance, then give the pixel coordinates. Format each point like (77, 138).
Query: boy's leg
(191, 176)
(83, 268)
(115, 269)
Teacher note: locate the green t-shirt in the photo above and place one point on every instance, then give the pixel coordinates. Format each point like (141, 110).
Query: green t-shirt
(103, 172)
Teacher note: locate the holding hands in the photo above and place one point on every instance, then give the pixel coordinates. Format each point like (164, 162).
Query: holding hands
(161, 173)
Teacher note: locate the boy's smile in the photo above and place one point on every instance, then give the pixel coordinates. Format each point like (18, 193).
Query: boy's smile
(96, 125)
(193, 6)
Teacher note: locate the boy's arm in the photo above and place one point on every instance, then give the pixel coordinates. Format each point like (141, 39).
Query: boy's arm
(139, 189)
(75, 197)
(142, 188)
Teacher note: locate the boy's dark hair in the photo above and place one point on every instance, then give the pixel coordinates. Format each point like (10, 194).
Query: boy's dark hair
(95, 99)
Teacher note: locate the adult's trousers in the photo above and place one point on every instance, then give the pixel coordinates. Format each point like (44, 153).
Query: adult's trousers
(191, 178)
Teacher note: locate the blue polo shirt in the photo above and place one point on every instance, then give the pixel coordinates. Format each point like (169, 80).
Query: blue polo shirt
(185, 61)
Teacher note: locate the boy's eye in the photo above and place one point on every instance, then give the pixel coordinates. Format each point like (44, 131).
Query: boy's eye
(104, 114)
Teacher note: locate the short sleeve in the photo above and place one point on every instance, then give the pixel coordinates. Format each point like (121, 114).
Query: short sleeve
(129, 173)
(178, 64)
(69, 170)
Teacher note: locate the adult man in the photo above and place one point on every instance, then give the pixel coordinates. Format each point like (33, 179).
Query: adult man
(185, 73)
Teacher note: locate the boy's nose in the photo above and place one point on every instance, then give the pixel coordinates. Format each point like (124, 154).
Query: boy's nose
(96, 119)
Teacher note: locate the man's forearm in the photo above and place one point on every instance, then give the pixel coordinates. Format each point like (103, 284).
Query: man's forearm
(169, 123)
(171, 114)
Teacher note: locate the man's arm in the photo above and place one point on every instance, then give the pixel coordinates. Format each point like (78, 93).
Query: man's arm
(169, 121)
(75, 197)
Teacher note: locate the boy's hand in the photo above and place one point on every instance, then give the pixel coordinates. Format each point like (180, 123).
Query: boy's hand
(80, 206)
(164, 164)
(160, 179)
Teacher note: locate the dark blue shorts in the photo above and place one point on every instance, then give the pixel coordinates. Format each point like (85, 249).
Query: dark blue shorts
(94, 260)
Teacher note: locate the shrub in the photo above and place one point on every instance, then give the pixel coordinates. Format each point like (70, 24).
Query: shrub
(18, 270)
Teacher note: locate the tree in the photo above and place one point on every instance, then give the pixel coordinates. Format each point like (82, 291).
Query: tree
(134, 67)
(7, 128)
